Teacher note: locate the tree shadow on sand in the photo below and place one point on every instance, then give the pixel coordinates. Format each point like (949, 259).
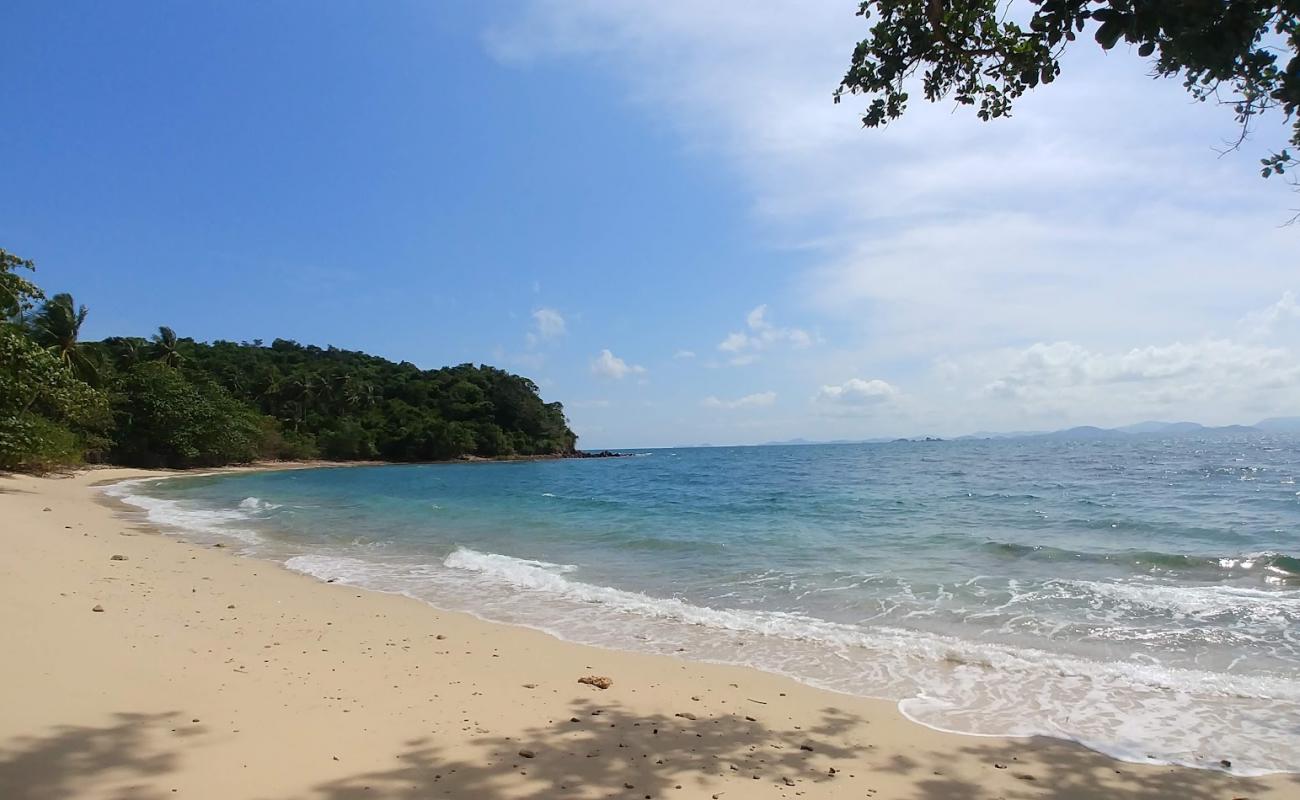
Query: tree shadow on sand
(1051, 768)
(59, 764)
(604, 750)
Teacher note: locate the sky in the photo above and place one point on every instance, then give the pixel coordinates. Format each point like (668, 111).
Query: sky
(655, 211)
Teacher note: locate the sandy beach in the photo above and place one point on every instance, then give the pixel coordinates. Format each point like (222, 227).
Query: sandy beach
(138, 665)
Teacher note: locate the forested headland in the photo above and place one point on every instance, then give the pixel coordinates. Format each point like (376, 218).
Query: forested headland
(169, 401)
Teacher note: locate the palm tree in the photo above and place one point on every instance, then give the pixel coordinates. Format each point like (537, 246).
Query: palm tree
(129, 349)
(56, 326)
(165, 347)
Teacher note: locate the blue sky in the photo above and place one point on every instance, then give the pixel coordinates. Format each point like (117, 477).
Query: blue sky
(653, 210)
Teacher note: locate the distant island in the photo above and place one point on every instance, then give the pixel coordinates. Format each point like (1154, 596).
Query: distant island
(170, 401)
(1272, 425)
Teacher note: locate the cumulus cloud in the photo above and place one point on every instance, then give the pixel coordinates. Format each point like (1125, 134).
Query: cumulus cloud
(1210, 380)
(1266, 321)
(548, 325)
(684, 354)
(856, 392)
(1047, 273)
(608, 365)
(759, 334)
(755, 400)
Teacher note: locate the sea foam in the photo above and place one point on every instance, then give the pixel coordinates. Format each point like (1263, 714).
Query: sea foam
(1129, 708)
(179, 515)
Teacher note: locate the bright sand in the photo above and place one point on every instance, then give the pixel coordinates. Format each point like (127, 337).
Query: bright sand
(212, 676)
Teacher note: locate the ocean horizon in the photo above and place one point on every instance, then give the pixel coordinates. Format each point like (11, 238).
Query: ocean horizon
(1141, 597)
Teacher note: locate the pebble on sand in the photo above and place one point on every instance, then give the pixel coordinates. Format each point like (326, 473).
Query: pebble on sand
(117, 557)
(97, 608)
(599, 681)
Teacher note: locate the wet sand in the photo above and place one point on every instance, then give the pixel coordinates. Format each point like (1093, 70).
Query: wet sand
(207, 675)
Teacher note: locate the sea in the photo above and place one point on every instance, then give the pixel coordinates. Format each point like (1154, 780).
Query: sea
(1139, 596)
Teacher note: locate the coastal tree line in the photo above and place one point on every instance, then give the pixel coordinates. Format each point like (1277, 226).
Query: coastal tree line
(170, 401)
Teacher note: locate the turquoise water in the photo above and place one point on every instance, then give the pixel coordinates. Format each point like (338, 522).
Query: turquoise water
(1142, 597)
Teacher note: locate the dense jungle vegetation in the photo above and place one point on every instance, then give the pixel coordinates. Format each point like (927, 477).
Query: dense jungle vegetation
(169, 401)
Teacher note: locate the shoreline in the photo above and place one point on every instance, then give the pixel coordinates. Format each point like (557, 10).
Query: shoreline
(716, 729)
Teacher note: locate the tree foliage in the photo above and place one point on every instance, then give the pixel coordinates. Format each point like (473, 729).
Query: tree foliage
(983, 53)
(174, 402)
(17, 294)
(349, 405)
(166, 420)
(48, 417)
(57, 328)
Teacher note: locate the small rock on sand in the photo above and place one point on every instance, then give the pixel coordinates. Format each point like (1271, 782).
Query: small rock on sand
(788, 780)
(806, 746)
(599, 681)
(117, 557)
(686, 715)
(1226, 764)
(527, 754)
(97, 608)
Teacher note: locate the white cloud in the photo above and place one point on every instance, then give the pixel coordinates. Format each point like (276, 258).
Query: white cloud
(608, 365)
(548, 325)
(684, 354)
(1056, 384)
(756, 400)
(760, 335)
(858, 393)
(1059, 252)
(734, 342)
(1266, 321)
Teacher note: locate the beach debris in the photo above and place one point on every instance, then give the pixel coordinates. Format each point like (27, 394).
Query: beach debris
(999, 766)
(530, 686)
(117, 557)
(440, 637)
(1025, 776)
(218, 544)
(97, 609)
(47, 508)
(599, 681)
(806, 746)
(788, 780)
(232, 605)
(686, 715)
(527, 754)
(1226, 764)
